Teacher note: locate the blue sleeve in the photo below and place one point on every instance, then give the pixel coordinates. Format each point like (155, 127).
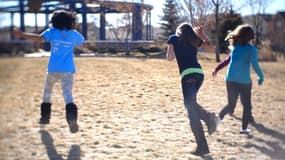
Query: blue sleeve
(255, 64)
(47, 34)
(79, 39)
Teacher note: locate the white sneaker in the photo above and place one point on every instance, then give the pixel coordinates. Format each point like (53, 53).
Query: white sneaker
(245, 131)
(217, 119)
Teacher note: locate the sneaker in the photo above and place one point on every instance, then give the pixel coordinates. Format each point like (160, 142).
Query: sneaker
(245, 131)
(200, 152)
(212, 124)
(71, 117)
(217, 119)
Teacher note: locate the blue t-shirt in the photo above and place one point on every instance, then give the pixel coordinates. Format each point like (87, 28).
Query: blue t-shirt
(186, 56)
(239, 67)
(62, 45)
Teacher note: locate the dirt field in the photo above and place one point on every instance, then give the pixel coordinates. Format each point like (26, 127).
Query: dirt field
(132, 109)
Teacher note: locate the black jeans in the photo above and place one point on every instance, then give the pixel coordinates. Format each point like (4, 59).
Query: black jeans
(190, 87)
(234, 90)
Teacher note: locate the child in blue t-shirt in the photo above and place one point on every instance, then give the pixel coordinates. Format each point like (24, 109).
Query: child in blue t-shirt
(63, 38)
(238, 80)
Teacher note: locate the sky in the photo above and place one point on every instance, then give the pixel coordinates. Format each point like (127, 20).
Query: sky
(273, 7)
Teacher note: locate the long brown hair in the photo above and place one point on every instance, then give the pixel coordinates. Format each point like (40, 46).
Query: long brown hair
(187, 36)
(242, 35)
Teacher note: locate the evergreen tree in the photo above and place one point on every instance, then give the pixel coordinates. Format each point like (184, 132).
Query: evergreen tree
(170, 19)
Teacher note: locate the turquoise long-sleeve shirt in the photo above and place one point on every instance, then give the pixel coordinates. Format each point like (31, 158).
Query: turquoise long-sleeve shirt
(241, 58)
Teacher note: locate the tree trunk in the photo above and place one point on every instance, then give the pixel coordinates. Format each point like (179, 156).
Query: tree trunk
(217, 50)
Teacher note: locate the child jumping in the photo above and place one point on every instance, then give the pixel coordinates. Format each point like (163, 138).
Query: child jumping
(183, 46)
(63, 38)
(238, 80)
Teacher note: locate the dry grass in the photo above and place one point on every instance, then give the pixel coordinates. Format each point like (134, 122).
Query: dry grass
(132, 109)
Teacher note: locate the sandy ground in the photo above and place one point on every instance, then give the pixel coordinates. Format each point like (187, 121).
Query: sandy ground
(132, 109)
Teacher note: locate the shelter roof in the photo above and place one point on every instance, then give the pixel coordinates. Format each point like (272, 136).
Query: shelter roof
(93, 6)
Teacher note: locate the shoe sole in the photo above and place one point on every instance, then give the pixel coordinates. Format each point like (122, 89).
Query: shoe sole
(200, 153)
(73, 126)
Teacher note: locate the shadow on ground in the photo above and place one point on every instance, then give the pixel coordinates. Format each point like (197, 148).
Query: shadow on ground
(74, 152)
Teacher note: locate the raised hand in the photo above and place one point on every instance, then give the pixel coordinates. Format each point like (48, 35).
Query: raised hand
(260, 80)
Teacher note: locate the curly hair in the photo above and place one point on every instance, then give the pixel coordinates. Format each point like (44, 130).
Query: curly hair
(63, 19)
(242, 35)
(187, 36)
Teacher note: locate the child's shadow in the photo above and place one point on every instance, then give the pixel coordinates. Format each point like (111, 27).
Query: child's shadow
(262, 129)
(274, 147)
(74, 153)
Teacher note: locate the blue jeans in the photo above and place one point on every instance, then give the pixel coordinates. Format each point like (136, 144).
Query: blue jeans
(66, 85)
(190, 87)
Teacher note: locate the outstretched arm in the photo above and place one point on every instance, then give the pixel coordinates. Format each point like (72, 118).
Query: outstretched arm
(26, 35)
(221, 65)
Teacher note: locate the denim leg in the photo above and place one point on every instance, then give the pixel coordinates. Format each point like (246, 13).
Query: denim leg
(66, 84)
(204, 114)
(51, 79)
(233, 93)
(190, 87)
(245, 97)
(196, 126)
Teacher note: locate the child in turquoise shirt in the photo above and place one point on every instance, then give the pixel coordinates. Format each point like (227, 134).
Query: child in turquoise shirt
(238, 80)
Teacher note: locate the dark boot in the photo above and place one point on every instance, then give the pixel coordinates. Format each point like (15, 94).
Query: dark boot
(200, 152)
(45, 113)
(71, 117)
(202, 146)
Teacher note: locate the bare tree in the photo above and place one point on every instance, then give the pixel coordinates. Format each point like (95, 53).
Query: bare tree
(217, 5)
(189, 10)
(220, 6)
(197, 11)
(258, 8)
(200, 12)
(276, 34)
(121, 30)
